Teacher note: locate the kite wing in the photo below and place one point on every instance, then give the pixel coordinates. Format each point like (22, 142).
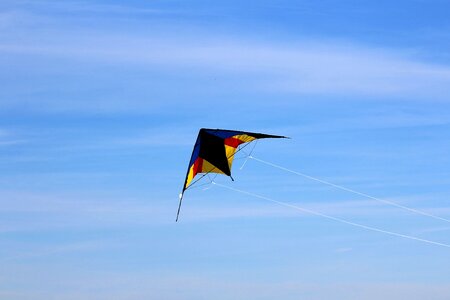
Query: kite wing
(214, 152)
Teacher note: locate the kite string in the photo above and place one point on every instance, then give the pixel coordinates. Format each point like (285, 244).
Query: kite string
(351, 191)
(331, 217)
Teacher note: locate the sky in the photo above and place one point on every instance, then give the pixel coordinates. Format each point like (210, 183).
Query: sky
(101, 103)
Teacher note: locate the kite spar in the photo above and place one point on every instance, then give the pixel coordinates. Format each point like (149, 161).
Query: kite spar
(214, 152)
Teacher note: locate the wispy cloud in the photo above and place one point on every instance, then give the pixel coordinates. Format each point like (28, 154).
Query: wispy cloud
(343, 250)
(8, 138)
(382, 120)
(83, 7)
(320, 67)
(52, 211)
(37, 252)
(11, 142)
(297, 66)
(105, 8)
(158, 136)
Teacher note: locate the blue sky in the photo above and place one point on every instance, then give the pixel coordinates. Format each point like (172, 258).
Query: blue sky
(101, 102)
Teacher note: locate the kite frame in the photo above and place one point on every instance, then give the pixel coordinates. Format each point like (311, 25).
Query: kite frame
(204, 174)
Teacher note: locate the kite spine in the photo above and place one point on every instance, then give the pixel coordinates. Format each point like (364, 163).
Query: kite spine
(185, 180)
(179, 206)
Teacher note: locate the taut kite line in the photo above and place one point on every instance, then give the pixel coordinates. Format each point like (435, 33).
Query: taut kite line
(214, 152)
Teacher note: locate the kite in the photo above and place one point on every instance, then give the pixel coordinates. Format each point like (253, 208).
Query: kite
(214, 152)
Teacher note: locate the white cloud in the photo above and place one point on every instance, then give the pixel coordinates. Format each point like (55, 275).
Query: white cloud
(83, 6)
(51, 47)
(317, 67)
(11, 142)
(343, 250)
(8, 138)
(39, 251)
(50, 211)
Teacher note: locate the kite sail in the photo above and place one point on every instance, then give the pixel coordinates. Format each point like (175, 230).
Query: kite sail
(214, 152)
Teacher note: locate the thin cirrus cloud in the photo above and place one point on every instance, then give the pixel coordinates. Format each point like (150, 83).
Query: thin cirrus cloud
(7, 138)
(53, 212)
(297, 65)
(320, 67)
